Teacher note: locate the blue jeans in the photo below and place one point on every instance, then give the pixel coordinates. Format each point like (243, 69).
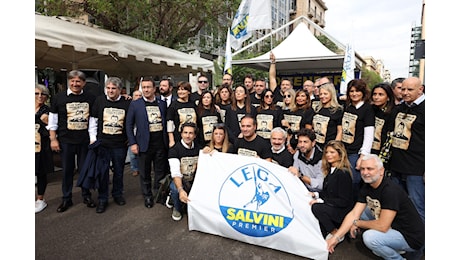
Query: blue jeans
(386, 245)
(117, 157)
(178, 205)
(68, 154)
(133, 161)
(416, 190)
(353, 158)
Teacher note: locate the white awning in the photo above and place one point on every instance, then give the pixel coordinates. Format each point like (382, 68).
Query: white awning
(63, 44)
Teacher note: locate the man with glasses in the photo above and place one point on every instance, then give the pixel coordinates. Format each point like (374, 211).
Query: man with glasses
(203, 84)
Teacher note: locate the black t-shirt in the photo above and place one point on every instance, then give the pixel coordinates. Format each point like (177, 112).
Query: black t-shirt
(325, 124)
(111, 126)
(233, 118)
(188, 159)
(267, 120)
(257, 147)
(73, 116)
(390, 195)
(285, 158)
(180, 113)
(353, 123)
(205, 124)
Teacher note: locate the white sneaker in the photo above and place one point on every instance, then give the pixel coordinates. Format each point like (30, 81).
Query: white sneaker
(169, 203)
(40, 205)
(176, 215)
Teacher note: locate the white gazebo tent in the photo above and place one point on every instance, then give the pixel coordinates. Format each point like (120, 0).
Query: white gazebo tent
(300, 52)
(61, 43)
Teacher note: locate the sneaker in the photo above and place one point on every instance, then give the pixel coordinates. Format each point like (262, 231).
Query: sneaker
(169, 203)
(40, 205)
(176, 215)
(329, 235)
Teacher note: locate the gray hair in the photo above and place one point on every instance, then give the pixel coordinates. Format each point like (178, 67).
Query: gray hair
(280, 130)
(43, 88)
(378, 161)
(77, 73)
(116, 81)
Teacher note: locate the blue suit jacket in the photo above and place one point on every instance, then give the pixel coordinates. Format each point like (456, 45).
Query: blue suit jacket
(137, 117)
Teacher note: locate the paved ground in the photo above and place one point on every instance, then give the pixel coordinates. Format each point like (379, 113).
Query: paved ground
(135, 232)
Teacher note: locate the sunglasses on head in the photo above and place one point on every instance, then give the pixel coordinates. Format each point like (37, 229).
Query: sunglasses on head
(219, 125)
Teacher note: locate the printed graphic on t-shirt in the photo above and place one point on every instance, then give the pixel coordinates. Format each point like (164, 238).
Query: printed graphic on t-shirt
(320, 124)
(113, 119)
(247, 152)
(154, 117)
(378, 133)
(222, 115)
(38, 139)
(77, 115)
(186, 115)
(349, 127)
(188, 167)
(294, 122)
(208, 124)
(402, 131)
(374, 206)
(315, 105)
(264, 125)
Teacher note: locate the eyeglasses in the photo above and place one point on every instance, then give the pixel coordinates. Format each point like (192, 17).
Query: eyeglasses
(202, 81)
(287, 96)
(41, 94)
(268, 96)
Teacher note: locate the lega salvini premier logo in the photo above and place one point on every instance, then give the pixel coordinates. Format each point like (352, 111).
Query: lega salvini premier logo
(254, 202)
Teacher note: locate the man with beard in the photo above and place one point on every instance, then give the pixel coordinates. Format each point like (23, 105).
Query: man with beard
(307, 161)
(166, 91)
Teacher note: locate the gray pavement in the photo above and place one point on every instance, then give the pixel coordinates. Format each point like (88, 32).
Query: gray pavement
(133, 231)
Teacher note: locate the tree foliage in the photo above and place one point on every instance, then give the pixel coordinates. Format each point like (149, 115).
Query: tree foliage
(372, 78)
(164, 22)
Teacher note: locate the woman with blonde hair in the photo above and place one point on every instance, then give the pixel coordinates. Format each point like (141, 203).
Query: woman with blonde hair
(335, 200)
(327, 121)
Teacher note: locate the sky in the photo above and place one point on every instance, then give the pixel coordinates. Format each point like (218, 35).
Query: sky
(380, 29)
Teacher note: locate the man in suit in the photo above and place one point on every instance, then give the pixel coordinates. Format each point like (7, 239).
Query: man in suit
(150, 142)
(166, 91)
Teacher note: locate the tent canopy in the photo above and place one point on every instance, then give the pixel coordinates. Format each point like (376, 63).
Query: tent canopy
(300, 52)
(62, 44)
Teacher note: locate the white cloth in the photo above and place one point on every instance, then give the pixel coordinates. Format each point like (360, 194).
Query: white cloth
(254, 201)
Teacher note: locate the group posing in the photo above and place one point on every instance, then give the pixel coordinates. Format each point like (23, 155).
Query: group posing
(335, 145)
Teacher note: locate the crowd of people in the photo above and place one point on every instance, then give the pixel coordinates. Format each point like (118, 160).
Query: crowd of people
(336, 145)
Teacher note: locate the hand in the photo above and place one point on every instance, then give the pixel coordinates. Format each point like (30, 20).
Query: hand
(183, 196)
(55, 145)
(331, 243)
(135, 149)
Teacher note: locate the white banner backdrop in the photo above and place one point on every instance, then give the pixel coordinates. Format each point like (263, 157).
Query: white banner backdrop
(254, 201)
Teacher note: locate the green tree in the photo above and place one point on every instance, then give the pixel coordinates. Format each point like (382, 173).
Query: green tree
(371, 77)
(164, 22)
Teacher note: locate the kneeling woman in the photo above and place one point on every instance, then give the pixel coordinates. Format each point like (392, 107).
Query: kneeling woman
(331, 205)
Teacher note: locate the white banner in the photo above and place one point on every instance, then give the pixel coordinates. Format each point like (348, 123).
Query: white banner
(348, 71)
(228, 55)
(254, 201)
(260, 15)
(239, 30)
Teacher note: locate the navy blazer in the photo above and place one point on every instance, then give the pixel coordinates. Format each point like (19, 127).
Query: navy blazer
(137, 117)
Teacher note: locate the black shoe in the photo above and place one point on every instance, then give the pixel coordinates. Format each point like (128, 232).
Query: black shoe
(119, 200)
(66, 204)
(89, 202)
(148, 202)
(101, 207)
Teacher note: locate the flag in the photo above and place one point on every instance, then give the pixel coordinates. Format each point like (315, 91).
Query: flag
(348, 71)
(228, 55)
(254, 201)
(239, 30)
(260, 15)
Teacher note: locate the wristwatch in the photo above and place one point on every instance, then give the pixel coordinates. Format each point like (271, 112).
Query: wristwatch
(355, 222)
